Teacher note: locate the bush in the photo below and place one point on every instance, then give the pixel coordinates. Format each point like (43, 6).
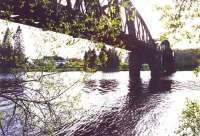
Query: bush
(190, 120)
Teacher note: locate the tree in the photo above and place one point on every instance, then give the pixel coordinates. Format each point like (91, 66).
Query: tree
(18, 55)
(7, 51)
(103, 58)
(190, 120)
(109, 59)
(85, 60)
(181, 20)
(113, 60)
(7, 38)
(7, 44)
(12, 57)
(90, 58)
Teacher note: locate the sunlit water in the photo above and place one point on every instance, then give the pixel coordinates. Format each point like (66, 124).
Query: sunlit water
(108, 104)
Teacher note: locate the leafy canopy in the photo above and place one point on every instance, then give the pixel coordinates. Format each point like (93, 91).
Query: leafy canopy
(181, 19)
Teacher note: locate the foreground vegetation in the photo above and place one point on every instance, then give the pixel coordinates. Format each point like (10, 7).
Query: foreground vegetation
(190, 120)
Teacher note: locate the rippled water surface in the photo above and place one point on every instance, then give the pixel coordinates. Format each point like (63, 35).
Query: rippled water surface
(108, 104)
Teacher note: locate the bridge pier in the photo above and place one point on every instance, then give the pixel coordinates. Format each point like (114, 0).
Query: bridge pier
(155, 67)
(161, 62)
(144, 55)
(134, 66)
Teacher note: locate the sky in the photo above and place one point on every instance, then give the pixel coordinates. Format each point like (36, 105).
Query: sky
(150, 16)
(38, 43)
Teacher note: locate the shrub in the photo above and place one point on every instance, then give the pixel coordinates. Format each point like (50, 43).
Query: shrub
(190, 120)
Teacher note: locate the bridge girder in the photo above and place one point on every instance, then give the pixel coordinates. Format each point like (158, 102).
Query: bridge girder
(114, 22)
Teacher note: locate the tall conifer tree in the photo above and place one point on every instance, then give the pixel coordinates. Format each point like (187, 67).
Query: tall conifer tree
(18, 46)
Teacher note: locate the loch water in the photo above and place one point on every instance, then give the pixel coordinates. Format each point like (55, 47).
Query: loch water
(100, 104)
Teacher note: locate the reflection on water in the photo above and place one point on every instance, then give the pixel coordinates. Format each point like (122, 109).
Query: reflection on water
(122, 118)
(106, 104)
(103, 85)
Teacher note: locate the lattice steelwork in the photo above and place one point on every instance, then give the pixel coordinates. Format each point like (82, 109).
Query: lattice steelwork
(55, 14)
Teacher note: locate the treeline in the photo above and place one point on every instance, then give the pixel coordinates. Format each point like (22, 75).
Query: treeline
(12, 51)
(187, 59)
(56, 64)
(109, 60)
(106, 60)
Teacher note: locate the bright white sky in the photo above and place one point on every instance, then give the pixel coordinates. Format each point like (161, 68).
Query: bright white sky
(38, 43)
(150, 16)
